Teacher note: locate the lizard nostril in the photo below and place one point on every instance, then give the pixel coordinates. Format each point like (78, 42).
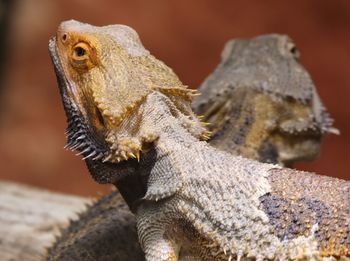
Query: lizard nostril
(64, 37)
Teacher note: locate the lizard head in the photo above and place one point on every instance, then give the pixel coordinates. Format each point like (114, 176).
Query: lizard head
(264, 95)
(104, 75)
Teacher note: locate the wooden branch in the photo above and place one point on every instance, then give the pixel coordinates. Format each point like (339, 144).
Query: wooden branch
(30, 219)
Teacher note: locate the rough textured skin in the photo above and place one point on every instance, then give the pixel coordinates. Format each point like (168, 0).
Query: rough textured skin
(219, 197)
(200, 202)
(231, 138)
(265, 96)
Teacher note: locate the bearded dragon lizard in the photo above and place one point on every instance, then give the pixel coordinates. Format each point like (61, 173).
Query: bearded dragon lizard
(225, 89)
(264, 105)
(157, 119)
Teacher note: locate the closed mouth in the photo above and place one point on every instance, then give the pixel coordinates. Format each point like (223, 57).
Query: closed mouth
(80, 136)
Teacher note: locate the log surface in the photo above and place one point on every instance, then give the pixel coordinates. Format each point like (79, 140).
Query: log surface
(30, 218)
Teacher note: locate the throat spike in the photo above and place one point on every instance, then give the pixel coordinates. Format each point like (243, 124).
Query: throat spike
(83, 151)
(90, 155)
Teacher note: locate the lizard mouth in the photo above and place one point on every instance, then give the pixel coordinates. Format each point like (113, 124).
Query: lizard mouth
(81, 135)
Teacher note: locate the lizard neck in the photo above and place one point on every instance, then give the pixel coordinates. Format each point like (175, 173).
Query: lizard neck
(161, 118)
(176, 133)
(172, 125)
(126, 176)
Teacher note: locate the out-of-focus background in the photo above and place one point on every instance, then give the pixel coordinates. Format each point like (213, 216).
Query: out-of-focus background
(186, 35)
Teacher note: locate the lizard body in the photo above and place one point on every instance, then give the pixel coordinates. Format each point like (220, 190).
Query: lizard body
(221, 199)
(166, 129)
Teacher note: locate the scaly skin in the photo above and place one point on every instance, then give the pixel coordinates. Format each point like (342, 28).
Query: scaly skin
(107, 233)
(179, 170)
(221, 88)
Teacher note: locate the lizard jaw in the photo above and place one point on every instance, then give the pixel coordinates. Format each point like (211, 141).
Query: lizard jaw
(79, 135)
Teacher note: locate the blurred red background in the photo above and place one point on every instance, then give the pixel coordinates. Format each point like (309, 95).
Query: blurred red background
(186, 35)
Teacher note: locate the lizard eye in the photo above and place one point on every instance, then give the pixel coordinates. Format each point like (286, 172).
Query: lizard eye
(80, 51)
(81, 56)
(293, 50)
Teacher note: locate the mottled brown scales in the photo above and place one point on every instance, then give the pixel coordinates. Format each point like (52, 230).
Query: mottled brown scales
(299, 200)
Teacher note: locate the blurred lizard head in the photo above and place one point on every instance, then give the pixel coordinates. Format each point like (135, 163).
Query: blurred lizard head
(104, 75)
(261, 102)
